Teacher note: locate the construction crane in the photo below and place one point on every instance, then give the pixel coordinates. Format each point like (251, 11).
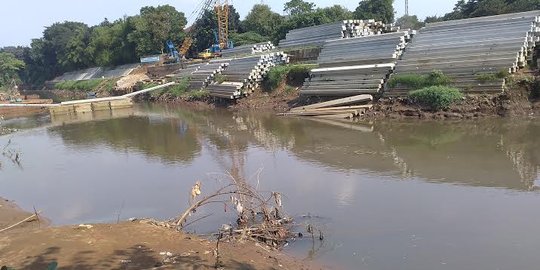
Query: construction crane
(221, 8)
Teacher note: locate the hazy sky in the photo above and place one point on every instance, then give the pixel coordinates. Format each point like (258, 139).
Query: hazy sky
(20, 21)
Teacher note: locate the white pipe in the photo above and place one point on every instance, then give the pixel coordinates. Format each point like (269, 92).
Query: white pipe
(28, 105)
(388, 65)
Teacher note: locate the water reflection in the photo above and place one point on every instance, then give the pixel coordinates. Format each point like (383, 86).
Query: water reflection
(388, 195)
(490, 153)
(171, 139)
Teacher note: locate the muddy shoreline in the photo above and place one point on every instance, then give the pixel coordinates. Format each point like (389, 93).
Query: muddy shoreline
(513, 103)
(126, 245)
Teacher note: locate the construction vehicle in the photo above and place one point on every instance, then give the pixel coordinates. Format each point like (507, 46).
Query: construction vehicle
(173, 56)
(214, 51)
(221, 8)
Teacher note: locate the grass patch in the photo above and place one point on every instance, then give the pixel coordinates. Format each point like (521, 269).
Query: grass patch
(291, 74)
(198, 94)
(220, 78)
(417, 81)
(490, 77)
(436, 97)
(180, 87)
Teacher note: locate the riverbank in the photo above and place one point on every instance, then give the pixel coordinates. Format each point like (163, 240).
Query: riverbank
(126, 245)
(515, 102)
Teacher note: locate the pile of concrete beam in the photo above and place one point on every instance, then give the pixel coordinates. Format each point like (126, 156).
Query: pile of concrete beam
(244, 50)
(474, 53)
(356, 65)
(200, 75)
(317, 35)
(243, 75)
(344, 108)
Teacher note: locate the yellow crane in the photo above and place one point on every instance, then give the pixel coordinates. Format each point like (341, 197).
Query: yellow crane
(221, 8)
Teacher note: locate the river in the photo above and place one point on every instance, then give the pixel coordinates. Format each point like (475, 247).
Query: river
(387, 195)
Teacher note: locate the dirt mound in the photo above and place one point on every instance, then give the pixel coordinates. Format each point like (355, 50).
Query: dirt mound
(129, 81)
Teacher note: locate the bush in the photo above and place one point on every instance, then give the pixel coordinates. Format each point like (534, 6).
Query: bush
(290, 74)
(180, 87)
(436, 97)
(417, 81)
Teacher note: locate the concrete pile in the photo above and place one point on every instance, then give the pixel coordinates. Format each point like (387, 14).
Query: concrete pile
(343, 108)
(475, 54)
(317, 35)
(200, 75)
(243, 75)
(356, 65)
(245, 50)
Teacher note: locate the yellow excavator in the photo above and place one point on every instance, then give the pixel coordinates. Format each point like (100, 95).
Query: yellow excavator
(221, 8)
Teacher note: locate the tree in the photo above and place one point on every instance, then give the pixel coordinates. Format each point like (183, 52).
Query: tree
(296, 7)
(59, 40)
(262, 20)
(154, 26)
(409, 22)
(77, 56)
(9, 68)
(380, 10)
(432, 19)
(248, 38)
(205, 27)
(109, 43)
(477, 8)
(336, 13)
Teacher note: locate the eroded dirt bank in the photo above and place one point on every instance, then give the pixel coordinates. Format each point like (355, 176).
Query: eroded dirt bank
(127, 245)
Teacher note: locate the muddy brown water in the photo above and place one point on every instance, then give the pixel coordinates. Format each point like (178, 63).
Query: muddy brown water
(387, 195)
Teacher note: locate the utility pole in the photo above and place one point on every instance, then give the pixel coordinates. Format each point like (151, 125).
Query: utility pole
(406, 7)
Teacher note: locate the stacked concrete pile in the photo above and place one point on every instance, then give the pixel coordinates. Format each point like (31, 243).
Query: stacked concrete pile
(356, 65)
(244, 50)
(243, 75)
(343, 108)
(200, 75)
(317, 35)
(474, 53)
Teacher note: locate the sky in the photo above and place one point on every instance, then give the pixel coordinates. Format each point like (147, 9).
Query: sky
(20, 22)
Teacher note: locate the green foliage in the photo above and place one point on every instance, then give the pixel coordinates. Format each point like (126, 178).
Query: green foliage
(261, 20)
(180, 87)
(247, 38)
(486, 77)
(9, 68)
(317, 17)
(220, 78)
(436, 97)
(418, 81)
(290, 74)
(477, 8)
(380, 10)
(109, 44)
(197, 94)
(409, 22)
(204, 28)
(154, 26)
(298, 7)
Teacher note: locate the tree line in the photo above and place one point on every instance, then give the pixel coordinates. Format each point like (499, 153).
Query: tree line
(68, 46)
